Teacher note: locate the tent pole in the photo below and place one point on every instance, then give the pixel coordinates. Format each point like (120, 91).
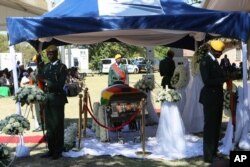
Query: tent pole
(14, 70)
(245, 75)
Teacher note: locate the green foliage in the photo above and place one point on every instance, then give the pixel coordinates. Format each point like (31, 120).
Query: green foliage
(161, 51)
(27, 50)
(3, 43)
(110, 49)
(24, 47)
(97, 51)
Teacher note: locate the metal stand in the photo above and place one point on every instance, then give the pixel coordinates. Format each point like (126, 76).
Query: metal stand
(143, 152)
(80, 122)
(82, 110)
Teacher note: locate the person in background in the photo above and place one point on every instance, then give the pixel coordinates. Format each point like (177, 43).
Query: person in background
(211, 96)
(18, 68)
(225, 64)
(118, 72)
(21, 71)
(167, 67)
(54, 74)
(25, 79)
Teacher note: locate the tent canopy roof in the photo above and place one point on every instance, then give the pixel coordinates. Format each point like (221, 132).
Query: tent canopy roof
(20, 8)
(227, 5)
(159, 22)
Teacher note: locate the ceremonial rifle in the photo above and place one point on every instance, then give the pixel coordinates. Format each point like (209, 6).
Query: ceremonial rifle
(232, 106)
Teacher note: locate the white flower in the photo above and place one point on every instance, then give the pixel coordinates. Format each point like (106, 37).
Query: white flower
(180, 77)
(70, 136)
(29, 94)
(144, 85)
(4, 152)
(168, 95)
(14, 124)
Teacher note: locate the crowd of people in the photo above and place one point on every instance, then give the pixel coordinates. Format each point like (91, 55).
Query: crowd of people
(23, 77)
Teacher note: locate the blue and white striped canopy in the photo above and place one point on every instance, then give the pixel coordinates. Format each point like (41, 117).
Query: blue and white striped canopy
(137, 22)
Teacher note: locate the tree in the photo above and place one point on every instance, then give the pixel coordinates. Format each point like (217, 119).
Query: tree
(3, 43)
(25, 48)
(103, 50)
(161, 51)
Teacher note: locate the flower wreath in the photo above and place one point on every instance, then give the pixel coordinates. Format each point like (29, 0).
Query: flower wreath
(226, 102)
(179, 78)
(14, 124)
(29, 94)
(195, 62)
(4, 152)
(144, 85)
(70, 134)
(169, 95)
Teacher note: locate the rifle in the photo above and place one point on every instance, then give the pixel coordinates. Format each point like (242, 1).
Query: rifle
(41, 85)
(233, 103)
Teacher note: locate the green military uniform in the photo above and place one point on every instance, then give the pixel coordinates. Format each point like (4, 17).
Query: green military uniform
(211, 97)
(55, 77)
(114, 76)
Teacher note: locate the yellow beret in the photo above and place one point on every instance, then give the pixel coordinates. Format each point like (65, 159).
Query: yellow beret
(117, 56)
(217, 45)
(51, 48)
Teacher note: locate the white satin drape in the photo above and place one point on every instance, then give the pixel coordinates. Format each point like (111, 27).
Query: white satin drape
(170, 133)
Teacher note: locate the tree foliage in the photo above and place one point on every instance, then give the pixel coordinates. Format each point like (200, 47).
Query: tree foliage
(103, 50)
(97, 51)
(161, 51)
(25, 48)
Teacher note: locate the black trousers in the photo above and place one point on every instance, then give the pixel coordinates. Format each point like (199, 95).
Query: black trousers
(54, 122)
(211, 133)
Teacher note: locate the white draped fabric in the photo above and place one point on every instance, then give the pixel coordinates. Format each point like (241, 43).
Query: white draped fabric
(182, 91)
(147, 37)
(241, 131)
(193, 117)
(170, 133)
(182, 102)
(152, 115)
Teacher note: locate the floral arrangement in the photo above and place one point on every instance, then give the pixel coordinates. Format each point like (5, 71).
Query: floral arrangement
(195, 62)
(169, 95)
(144, 85)
(226, 102)
(70, 136)
(4, 153)
(29, 94)
(14, 124)
(180, 77)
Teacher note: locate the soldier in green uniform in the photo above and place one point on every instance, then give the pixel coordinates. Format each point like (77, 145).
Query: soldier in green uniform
(211, 96)
(118, 72)
(54, 75)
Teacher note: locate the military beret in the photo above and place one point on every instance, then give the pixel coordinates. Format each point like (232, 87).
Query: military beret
(217, 45)
(51, 48)
(117, 56)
